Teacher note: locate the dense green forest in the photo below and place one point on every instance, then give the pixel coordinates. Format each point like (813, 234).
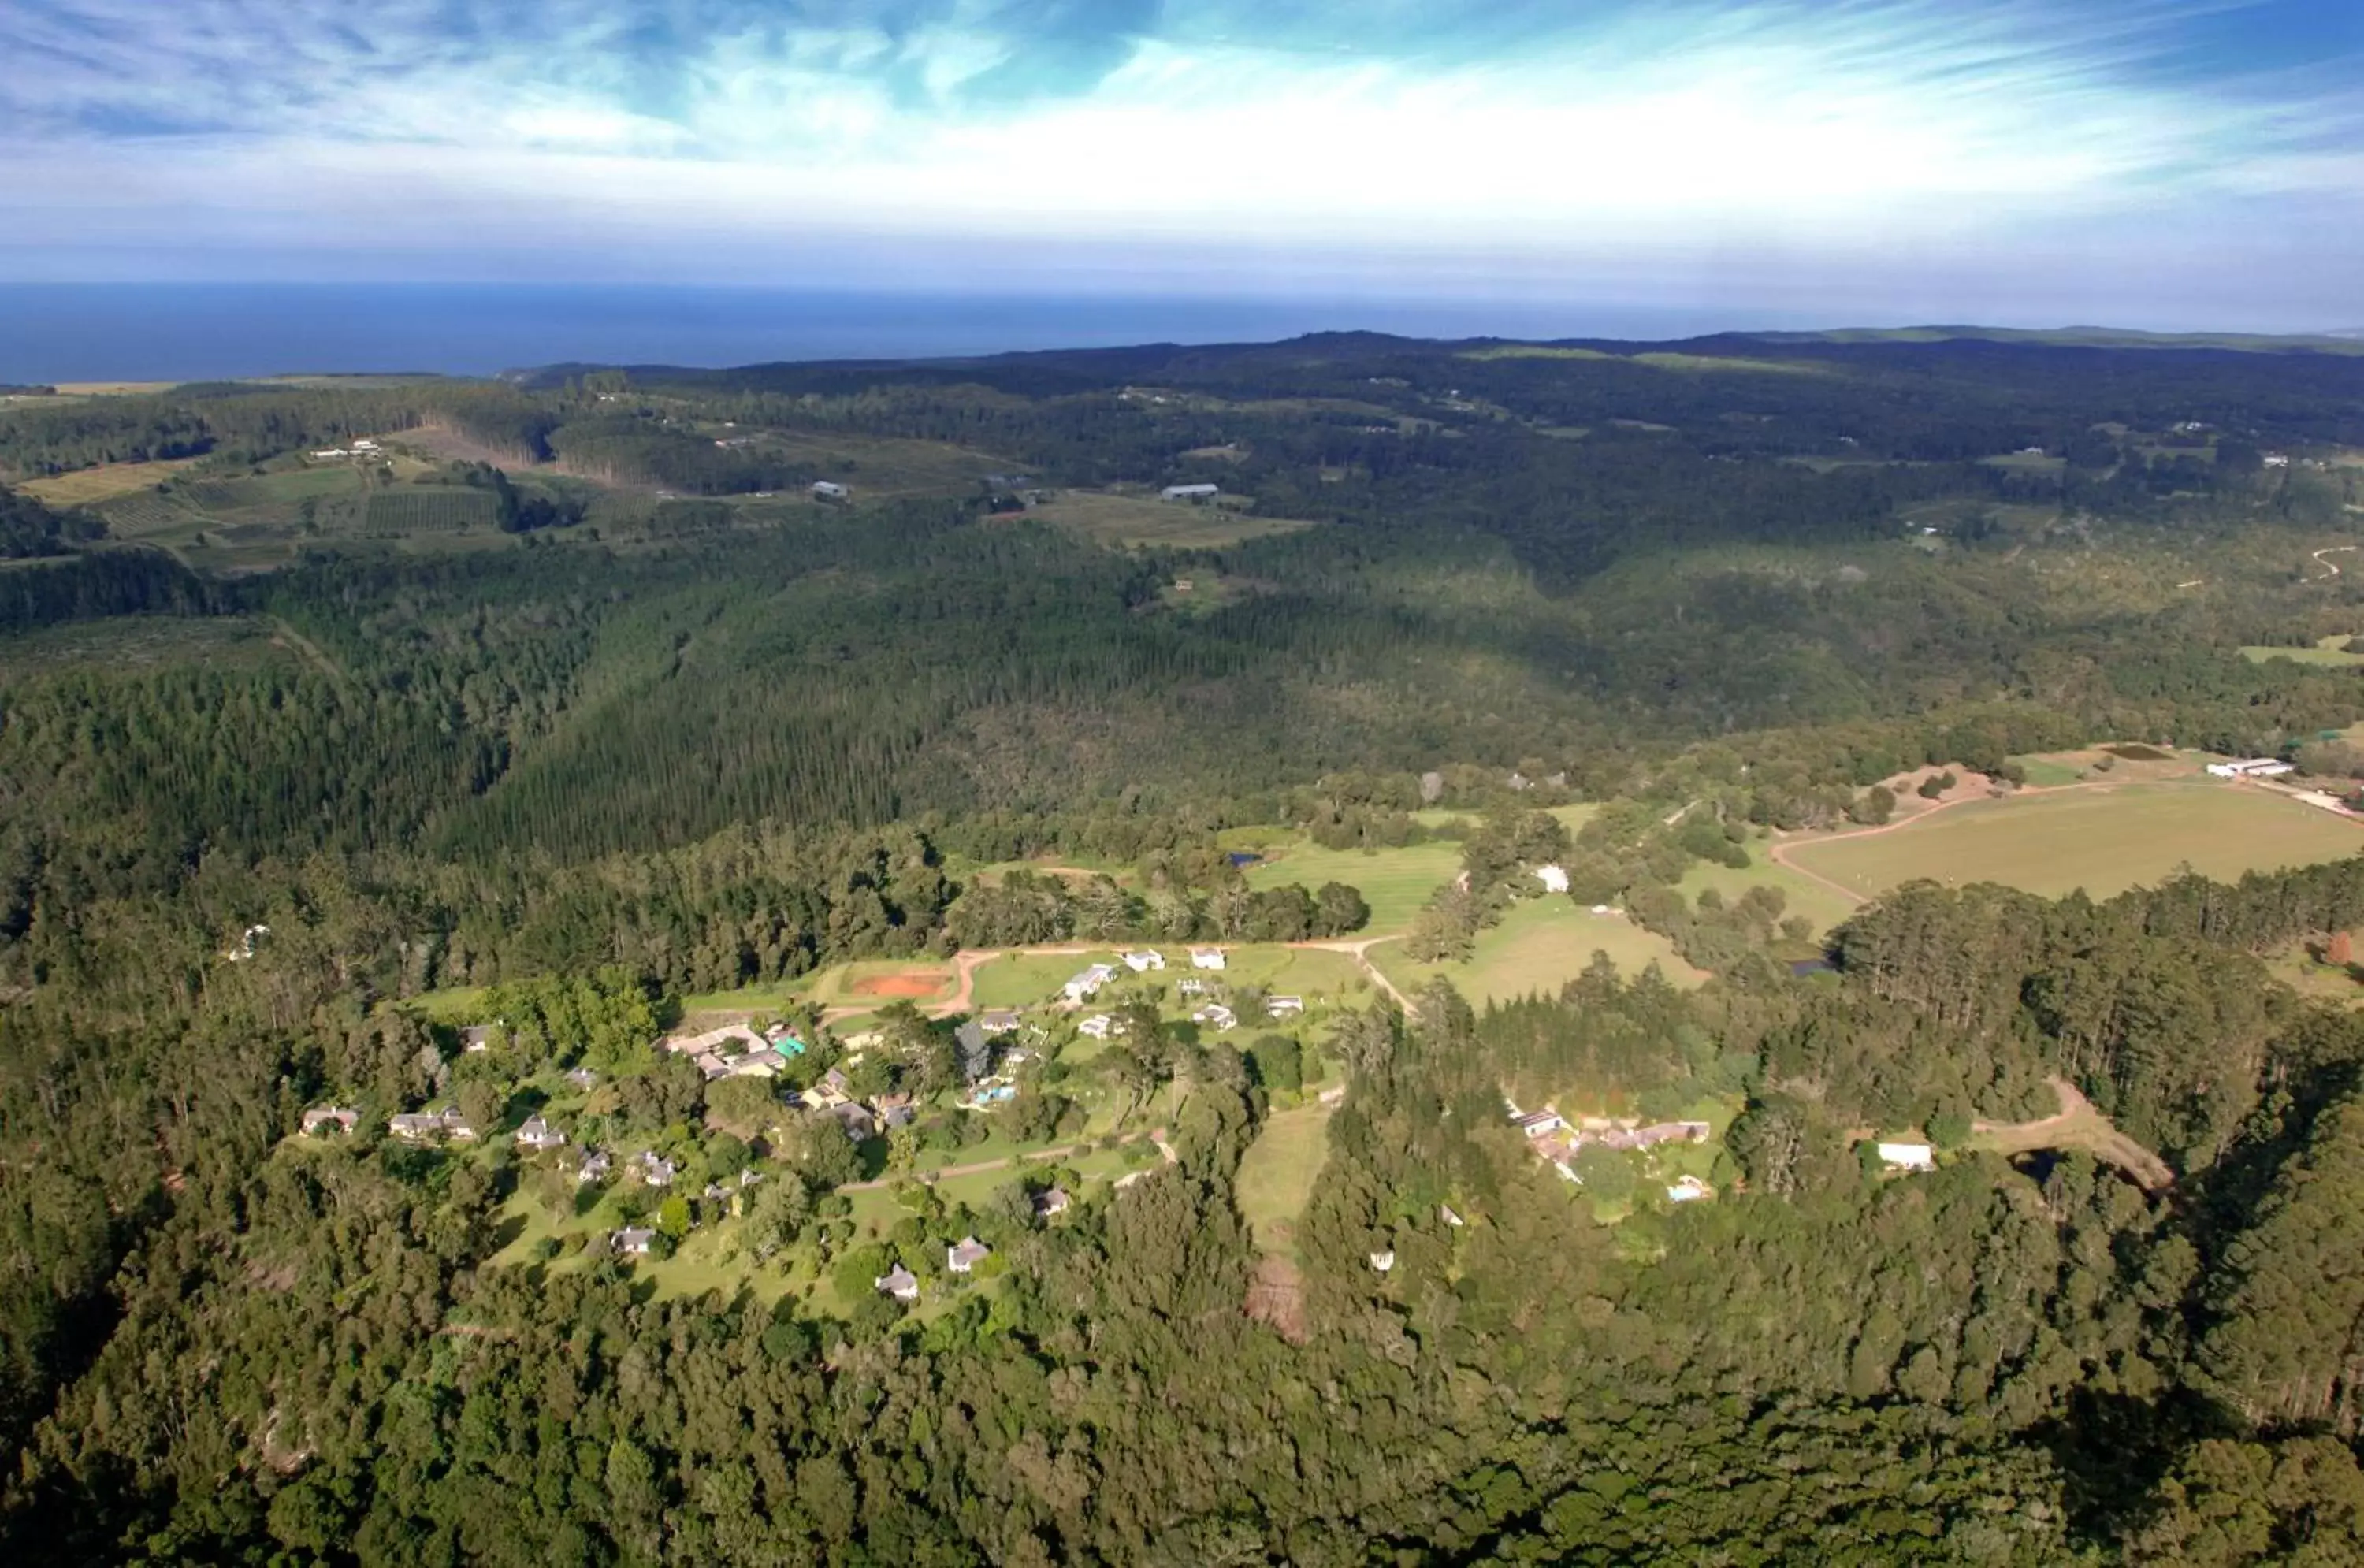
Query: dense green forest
(642, 721)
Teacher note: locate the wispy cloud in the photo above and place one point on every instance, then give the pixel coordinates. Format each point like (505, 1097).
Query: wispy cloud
(1521, 131)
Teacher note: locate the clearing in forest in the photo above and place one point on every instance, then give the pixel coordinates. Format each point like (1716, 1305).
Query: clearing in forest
(1144, 520)
(2103, 838)
(1276, 1174)
(1541, 945)
(2326, 650)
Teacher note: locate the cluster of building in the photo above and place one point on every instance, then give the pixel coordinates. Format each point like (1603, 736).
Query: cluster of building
(362, 447)
(735, 1051)
(1555, 1140)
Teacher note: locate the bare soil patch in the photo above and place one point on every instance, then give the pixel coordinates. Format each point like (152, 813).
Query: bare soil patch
(1277, 1297)
(911, 985)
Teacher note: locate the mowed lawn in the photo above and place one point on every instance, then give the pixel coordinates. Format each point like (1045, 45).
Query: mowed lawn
(1540, 946)
(2104, 839)
(1276, 1174)
(1394, 883)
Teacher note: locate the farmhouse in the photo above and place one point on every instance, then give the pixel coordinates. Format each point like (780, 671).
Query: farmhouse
(321, 1118)
(595, 1167)
(1535, 1124)
(2251, 767)
(1554, 878)
(900, 1283)
(655, 1170)
(1907, 1157)
(823, 490)
(477, 1038)
(1217, 1016)
(442, 1121)
(1190, 493)
(1144, 960)
(1054, 1201)
(633, 1240)
(1099, 1026)
(1086, 983)
(1284, 1007)
(965, 1255)
(1206, 958)
(538, 1133)
(999, 1020)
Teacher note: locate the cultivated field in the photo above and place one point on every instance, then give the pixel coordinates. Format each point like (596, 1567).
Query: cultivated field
(1144, 520)
(1541, 945)
(2102, 838)
(87, 486)
(1394, 883)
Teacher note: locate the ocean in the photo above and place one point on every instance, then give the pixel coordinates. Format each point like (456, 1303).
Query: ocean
(80, 332)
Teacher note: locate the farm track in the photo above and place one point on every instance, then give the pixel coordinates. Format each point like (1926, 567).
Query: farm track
(2331, 569)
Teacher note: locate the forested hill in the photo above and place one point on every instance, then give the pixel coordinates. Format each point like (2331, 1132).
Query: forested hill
(339, 717)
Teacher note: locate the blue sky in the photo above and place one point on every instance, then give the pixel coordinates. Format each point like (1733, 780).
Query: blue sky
(2145, 161)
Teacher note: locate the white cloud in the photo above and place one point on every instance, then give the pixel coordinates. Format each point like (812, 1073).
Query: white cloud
(1904, 126)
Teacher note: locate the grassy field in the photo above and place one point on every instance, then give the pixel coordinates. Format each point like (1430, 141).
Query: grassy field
(1146, 520)
(1542, 944)
(85, 486)
(1276, 1174)
(2326, 650)
(1395, 883)
(1021, 980)
(2105, 839)
(888, 467)
(1804, 895)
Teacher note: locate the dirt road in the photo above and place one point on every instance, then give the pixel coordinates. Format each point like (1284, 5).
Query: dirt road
(1359, 951)
(2331, 569)
(2077, 1126)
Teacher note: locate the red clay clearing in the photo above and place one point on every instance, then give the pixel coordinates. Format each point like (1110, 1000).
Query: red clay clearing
(905, 984)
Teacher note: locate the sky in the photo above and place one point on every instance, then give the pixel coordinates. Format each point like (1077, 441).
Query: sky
(2171, 163)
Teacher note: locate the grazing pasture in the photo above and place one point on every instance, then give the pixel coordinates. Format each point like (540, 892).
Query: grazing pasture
(2103, 838)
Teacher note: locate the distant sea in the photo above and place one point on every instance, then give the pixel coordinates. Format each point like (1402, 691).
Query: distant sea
(74, 332)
